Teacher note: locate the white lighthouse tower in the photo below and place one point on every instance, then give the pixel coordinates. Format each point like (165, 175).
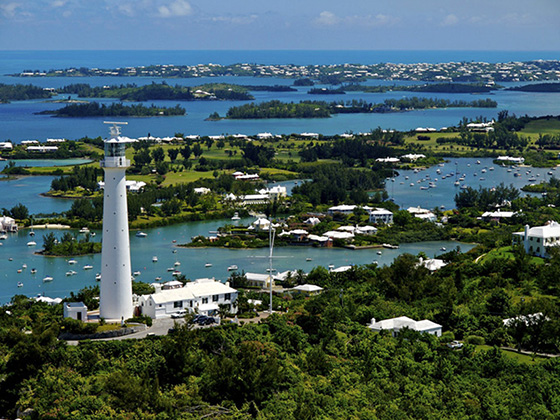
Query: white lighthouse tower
(115, 298)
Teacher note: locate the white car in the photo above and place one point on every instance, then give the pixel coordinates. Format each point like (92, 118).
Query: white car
(455, 344)
(179, 314)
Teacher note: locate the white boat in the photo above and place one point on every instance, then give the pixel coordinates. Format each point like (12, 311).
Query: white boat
(177, 264)
(154, 259)
(331, 266)
(71, 273)
(72, 261)
(170, 269)
(84, 230)
(33, 271)
(20, 284)
(141, 234)
(158, 278)
(24, 266)
(31, 243)
(308, 259)
(235, 216)
(443, 249)
(379, 252)
(88, 267)
(31, 233)
(3, 237)
(47, 279)
(232, 268)
(208, 265)
(136, 273)
(457, 183)
(98, 277)
(176, 273)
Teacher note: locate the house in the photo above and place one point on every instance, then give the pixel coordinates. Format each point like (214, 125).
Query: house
(202, 296)
(381, 216)
(259, 280)
(75, 310)
(202, 190)
(8, 224)
(538, 239)
(421, 213)
(432, 264)
(413, 156)
(346, 209)
(253, 199)
(388, 160)
(6, 145)
(132, 186)
(42, 149)
(313, 221)
(397, 324)
(365, 230)
(264, 136)
(307, 289)
(496, 216)
(511, 159)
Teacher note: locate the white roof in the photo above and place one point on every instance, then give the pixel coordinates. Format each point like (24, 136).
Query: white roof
(552, 229)
(499, 214)
(298, 232)
(318, 238)
(308, 288)
(402, 322)
(380, 212)
(433, 264)
(366, 229)
(192, 290)
(341, 269)
(338, 235)
(350, 229)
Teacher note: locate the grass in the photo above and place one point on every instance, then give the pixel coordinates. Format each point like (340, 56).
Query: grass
(505, 252)
(521, 358)
(543, 126)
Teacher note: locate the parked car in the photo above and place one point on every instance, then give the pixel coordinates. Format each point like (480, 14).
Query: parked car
(197, 319)
(208, 321)
(455, 344)
(179, 314)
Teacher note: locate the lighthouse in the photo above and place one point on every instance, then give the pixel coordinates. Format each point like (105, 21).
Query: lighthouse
(115, 298)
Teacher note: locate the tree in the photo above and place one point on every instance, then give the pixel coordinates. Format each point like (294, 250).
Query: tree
(19, 212)
(158, 154)
(172, 153)
(49, 241)
(197, 150)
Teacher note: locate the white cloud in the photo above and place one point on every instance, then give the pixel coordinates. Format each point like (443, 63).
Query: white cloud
(327, 18)
(174, 9)
(58, 3)
(450, 20)
(10, 9)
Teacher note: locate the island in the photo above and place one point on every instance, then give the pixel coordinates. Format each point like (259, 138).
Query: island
(94, 109)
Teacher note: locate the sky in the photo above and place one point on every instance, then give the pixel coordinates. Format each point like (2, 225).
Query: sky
(529, 25)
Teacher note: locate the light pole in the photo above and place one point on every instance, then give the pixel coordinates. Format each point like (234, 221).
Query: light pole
(271, 233)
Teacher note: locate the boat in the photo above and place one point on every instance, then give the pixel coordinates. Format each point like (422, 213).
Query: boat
(31, 233)
(308, 259)
(47, 279)
(170, 269)
(390, 246)
(235, 216)
(232, 267)
(98, 277)
(71, 273)
(24, 266)
(33, 271)
(176, 273)
(412, 184)
(331, 266)
(478, 162)
(443, 249)
(84, 230)
(141, 234)
(31, 243)
(88, 267)
(174, 251)
(20, 270)
(72, 261)
(3, 237)
(177, 264)
(270, 270)
(208, 265)
(158, 278)
(136, 273)
(464, 187)
(19, 284)
(457, 183)
(154, 259)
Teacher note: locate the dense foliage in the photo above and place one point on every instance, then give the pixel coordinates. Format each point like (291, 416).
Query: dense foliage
(21, 92)
(94, 109)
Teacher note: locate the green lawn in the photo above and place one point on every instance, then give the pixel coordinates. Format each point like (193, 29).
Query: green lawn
(505, 253)
(521, 358)
(543, 126)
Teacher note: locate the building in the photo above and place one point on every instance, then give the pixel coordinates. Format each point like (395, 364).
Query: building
(496, 216)
(75, 310)
(261, 281)
(396, 324)
(6, 145)
(346, 209)
(421, 213)
(42, 149)
(307, 289)
(8, 224)
(538, 239)
(132, 186)
(381, 216)
(203, 296)
(115, 297)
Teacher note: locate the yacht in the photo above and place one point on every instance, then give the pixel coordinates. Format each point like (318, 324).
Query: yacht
(33, 271)
(235, 216)
(177, 264)
(19, 284)
(176, 273)
(136, 273)
(98, 277)
(47, 279)
(88, 267)
(141, 234)
(232, 268)
(154, 259)
(71, 273)
(170, 269)
(72, 261)
(208, 265)
(84, 230)
(31, 243)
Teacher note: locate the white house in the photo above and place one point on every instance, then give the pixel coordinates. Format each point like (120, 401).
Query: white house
(259, 280)
(346, 209)
(388, 160)
(432, 264)
(381, 216)
(307, 289)
(75, 310)
(421, 213)
(132, 186)
(396, 324)
(511, 159)
(538, 239)
(202, 295)
(6, 145)
(8, 224)
(498, 215)
(42, 149)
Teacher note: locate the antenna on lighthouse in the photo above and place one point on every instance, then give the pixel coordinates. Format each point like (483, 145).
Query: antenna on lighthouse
(115, 130)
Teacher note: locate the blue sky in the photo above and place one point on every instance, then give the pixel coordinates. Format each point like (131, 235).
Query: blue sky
(280, 24)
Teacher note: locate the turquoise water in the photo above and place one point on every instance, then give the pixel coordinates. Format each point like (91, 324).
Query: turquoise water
(159, 242)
